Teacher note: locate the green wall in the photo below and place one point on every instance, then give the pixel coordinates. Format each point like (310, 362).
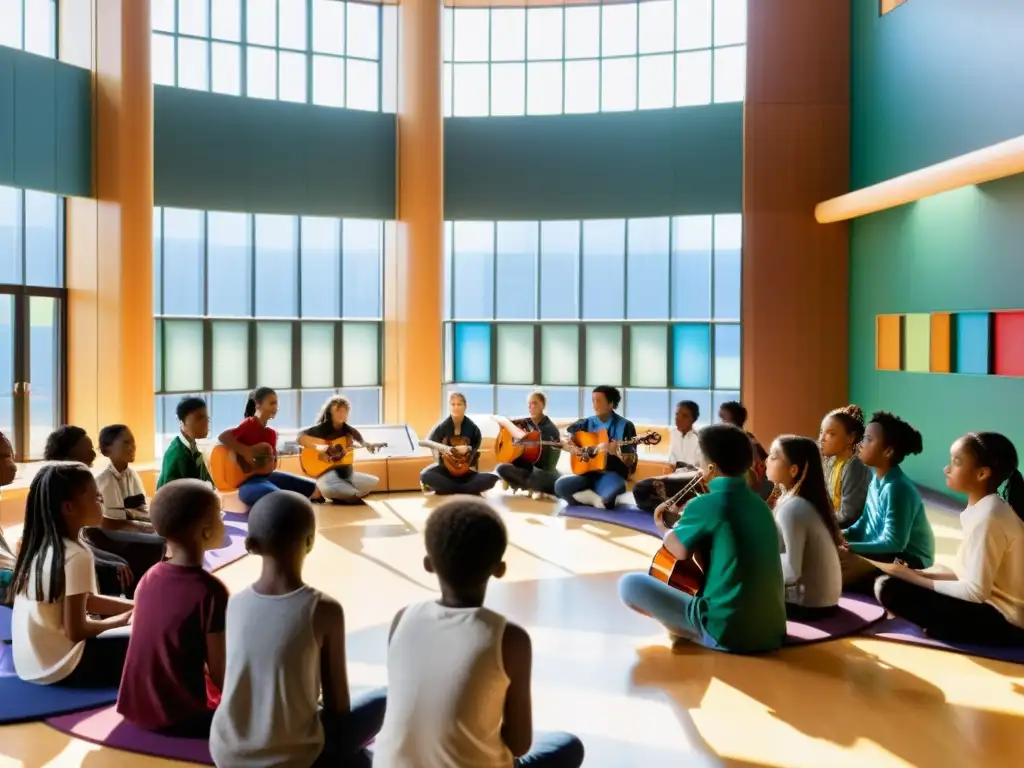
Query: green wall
(45, 124)
(225, 153)
(646, 163)
(932, 80)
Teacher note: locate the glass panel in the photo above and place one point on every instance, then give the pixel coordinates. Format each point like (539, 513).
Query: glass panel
(728, 266)
(227, 69)
(479, 399)
(515, 354)
(230, 355)
(604, 355)
(365, 406)
(161, 14)
(389, 59)
(329, 26)
(448, 33)
(656, 81)
(44, 372)
(701, 397)
(582, 32)
(508, 89)
(564, 402)
(544, 33)
(693, 24)
(648, 356)
(730, 74)
(361, 31)
(192, 18)
(183, 264)
(473, 352)
(471, 90)
(226, 409)
(10, 238)
(618, 29)
(328, 81)
(560, 354)
(559, 269)
(618, 83)
(40, 27)
(512, 401)
(360, 361)
(292, 18)
(43, 240)
(604, 268)
(287, 411)
(727, 357)
(274, 355)
(7, 325)
(261, 21)
(158, 355)
(361, 85)
(693, 78)
(292, 80)
(657, 26)
(162, 59)
(647, 282)
(10, 30)
(692, 356)
(277, 266)
(183, 355)
(193, 57)
(516, 270)
(310, 403)
(691, 267)
(226, 19)
(229, 265)
(582, 87)
(472, 33)
(158, 260)
(508, 34)
(649, 407)
(730, 22)
(448, 273)
(318, 355)
(321, 269)
(544, 88)
(719, 398)
(449, 353)
(473, 263)
(261, 77)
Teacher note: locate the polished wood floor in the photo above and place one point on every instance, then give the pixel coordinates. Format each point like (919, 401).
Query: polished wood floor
(610, 676)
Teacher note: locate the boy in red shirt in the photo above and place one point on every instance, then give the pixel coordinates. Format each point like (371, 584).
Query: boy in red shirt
(175, 665)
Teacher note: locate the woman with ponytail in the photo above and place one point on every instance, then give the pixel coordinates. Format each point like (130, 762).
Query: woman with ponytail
(847, 477)
(982, 602)
(260, 408)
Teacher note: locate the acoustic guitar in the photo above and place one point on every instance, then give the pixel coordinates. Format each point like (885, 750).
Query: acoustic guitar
(331, 455)
(685, 575)
(530, 446)
(459, 463)
(589, 459)
(229, 470)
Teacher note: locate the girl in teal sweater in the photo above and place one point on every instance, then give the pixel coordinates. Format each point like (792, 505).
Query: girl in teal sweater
(894, 525)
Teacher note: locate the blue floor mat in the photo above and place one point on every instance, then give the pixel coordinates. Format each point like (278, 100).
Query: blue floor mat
(5, 623)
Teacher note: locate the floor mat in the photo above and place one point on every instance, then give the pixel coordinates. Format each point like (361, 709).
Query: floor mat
(902, 631)
(105, 727)
(236, 527)
(628, 517)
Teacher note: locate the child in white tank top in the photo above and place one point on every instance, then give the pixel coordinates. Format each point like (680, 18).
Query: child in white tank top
(459, 673)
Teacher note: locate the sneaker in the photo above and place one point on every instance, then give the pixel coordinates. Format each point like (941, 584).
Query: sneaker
(588, 498)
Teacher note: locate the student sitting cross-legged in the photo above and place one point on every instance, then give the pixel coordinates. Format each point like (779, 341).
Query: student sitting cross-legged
(286, 644)
(894, 525)
(177, 645)
(459, 673)
(124, 498)
(455, 434)
(183, 459)
(808, 529)
(982, 601)
(848, 479)
(741, 608)
(683, 459)
(341, 483)
(56, 637)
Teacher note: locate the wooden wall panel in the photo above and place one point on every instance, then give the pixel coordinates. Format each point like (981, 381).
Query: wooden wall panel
(796, 144)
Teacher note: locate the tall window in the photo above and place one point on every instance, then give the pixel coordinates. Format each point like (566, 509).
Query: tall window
(611, 57)
(245, 300)
(31, 318)
(327, 52)
(648, 305)
(30, 25)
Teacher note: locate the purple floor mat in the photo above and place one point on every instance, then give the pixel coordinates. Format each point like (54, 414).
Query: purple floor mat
(235, 529)
(628, 517)
(5, 623)
(902, 631)
(105, 727)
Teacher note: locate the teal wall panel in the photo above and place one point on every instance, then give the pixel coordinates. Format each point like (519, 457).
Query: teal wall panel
(45, 124)
(925, 89)
(226, 153)
(646, 163)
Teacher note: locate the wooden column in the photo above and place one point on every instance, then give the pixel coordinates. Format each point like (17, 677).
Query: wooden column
(796, 153)
(414, 257)
(109, 238)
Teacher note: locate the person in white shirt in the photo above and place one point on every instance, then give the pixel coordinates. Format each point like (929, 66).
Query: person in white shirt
(683, 460)
(124, 498)
(982, 602)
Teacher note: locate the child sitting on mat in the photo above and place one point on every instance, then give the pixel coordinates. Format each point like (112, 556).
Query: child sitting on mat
(807, 525)
(286, 641)
(982, 602)
(848, 479)
(741, 607)
(55, 638)
(177, 646)
(124, 498)
(183, 459)
(8, 470)
(459, 673)
(894, 525)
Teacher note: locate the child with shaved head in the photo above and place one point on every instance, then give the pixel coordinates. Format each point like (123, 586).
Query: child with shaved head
(175, 664)
(286, 644)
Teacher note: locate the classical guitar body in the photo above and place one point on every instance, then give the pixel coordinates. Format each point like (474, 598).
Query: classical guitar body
(459, 464)
(685, 575)
(229, 470)
(317, 461)
(589, 461)
(506, 449)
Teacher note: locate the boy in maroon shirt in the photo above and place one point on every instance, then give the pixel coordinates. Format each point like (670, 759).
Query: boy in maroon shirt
(175, 666)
